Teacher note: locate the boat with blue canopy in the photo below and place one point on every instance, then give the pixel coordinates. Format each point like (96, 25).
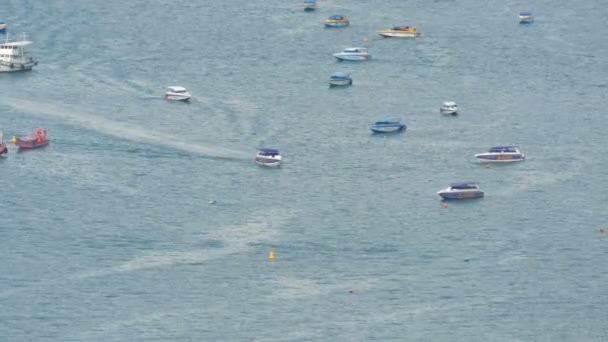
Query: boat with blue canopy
(310, 5)
(268, 157)
(461, 190)
(501, 154)
(388, 124)
(340, 79)
(336, 20)
(525, 17)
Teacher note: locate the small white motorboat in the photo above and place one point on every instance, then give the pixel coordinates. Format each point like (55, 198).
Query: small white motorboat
(449, 107)
(461, 190)
(340, 79)
(501, 154)
(526, 17)
(177, 93)
(268, 157)
(353, 54)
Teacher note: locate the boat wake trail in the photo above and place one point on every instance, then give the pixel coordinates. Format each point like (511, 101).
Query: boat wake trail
(123, 131)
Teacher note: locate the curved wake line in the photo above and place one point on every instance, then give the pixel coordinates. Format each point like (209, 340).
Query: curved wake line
(122, 131)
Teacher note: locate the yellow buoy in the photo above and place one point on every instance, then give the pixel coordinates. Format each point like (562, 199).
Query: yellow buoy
(14, 139)
(365, 39)
(271, 255)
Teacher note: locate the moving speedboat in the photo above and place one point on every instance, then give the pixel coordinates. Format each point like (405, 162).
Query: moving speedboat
(268, 157)
(340, 79)
(502, 154)
(177, 93)
(449, 107)
(336, 20)
(388, 125)
(310, 5)
(353, 54)
(38, 139)
(461, 190)
(525, 17)
(399, 31)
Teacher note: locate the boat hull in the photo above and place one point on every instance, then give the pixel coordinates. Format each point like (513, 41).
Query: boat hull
(458, 195)
(500, 157)
(351, 57)
(268, 162)
(29, 144)
(343, 82)
(336, 24)
(526, 20)
(3, 149)
(177, 98)
(448, 111)
(17, 67)
(387, 129)
(394, 34)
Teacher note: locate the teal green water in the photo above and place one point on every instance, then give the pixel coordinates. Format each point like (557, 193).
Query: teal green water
(108, 233)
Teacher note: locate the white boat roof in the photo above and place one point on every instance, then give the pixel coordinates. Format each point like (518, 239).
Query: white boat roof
(355, 49)
(176, 88)
(449, 103)
(19, 43)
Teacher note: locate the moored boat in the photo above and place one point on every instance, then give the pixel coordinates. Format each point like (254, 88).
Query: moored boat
(388, 125)
(461, 190)
(310, 5)
(37, 139)
(15, 57)
(526, 17)
(336, 20)
(2, 26)
(449, 107)
(399, 32)
(3, 147)
(340, 79)
(268, 157)
(353, 54)
(177, 93)
(501, 154)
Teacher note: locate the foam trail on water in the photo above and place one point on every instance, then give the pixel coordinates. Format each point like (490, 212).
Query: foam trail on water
(96, 123)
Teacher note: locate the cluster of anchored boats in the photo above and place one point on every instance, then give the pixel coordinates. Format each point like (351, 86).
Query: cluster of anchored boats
(457, 190)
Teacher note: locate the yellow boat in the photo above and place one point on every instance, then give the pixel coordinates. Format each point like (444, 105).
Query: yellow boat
(400, 32)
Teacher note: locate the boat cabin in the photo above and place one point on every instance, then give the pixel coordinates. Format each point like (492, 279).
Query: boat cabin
(340, 75)
(389, 120)
(268, 152)
(177, 89)
(336, 17)
(356, 50)
(464, 185)
(502, 149)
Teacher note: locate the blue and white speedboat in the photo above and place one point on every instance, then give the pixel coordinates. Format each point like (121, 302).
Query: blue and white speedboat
(525, 17)
(310, 5)
(449, 107)
(461, 190)
(502, 154)
(268, 157)
(340, 79)
(2, 26)
(353, 54)
(388, 125)
(336, 20)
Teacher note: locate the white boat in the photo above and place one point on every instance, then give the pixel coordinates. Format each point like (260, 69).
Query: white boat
(399, 32)
(353, 54)
(268, 157)
(15, 57)
(177, 93)
(526, 17)
(449, 107)
(340, 79)
(461, 190)
(501, 154)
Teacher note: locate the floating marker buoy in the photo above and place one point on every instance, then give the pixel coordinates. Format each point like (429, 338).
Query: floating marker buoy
(271, 255)
(445, 205)
(602, 229)
(365, 39)
(14, 139)
(488, 166)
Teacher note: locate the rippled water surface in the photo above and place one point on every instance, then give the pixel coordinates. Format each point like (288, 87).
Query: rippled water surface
(109, 234)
